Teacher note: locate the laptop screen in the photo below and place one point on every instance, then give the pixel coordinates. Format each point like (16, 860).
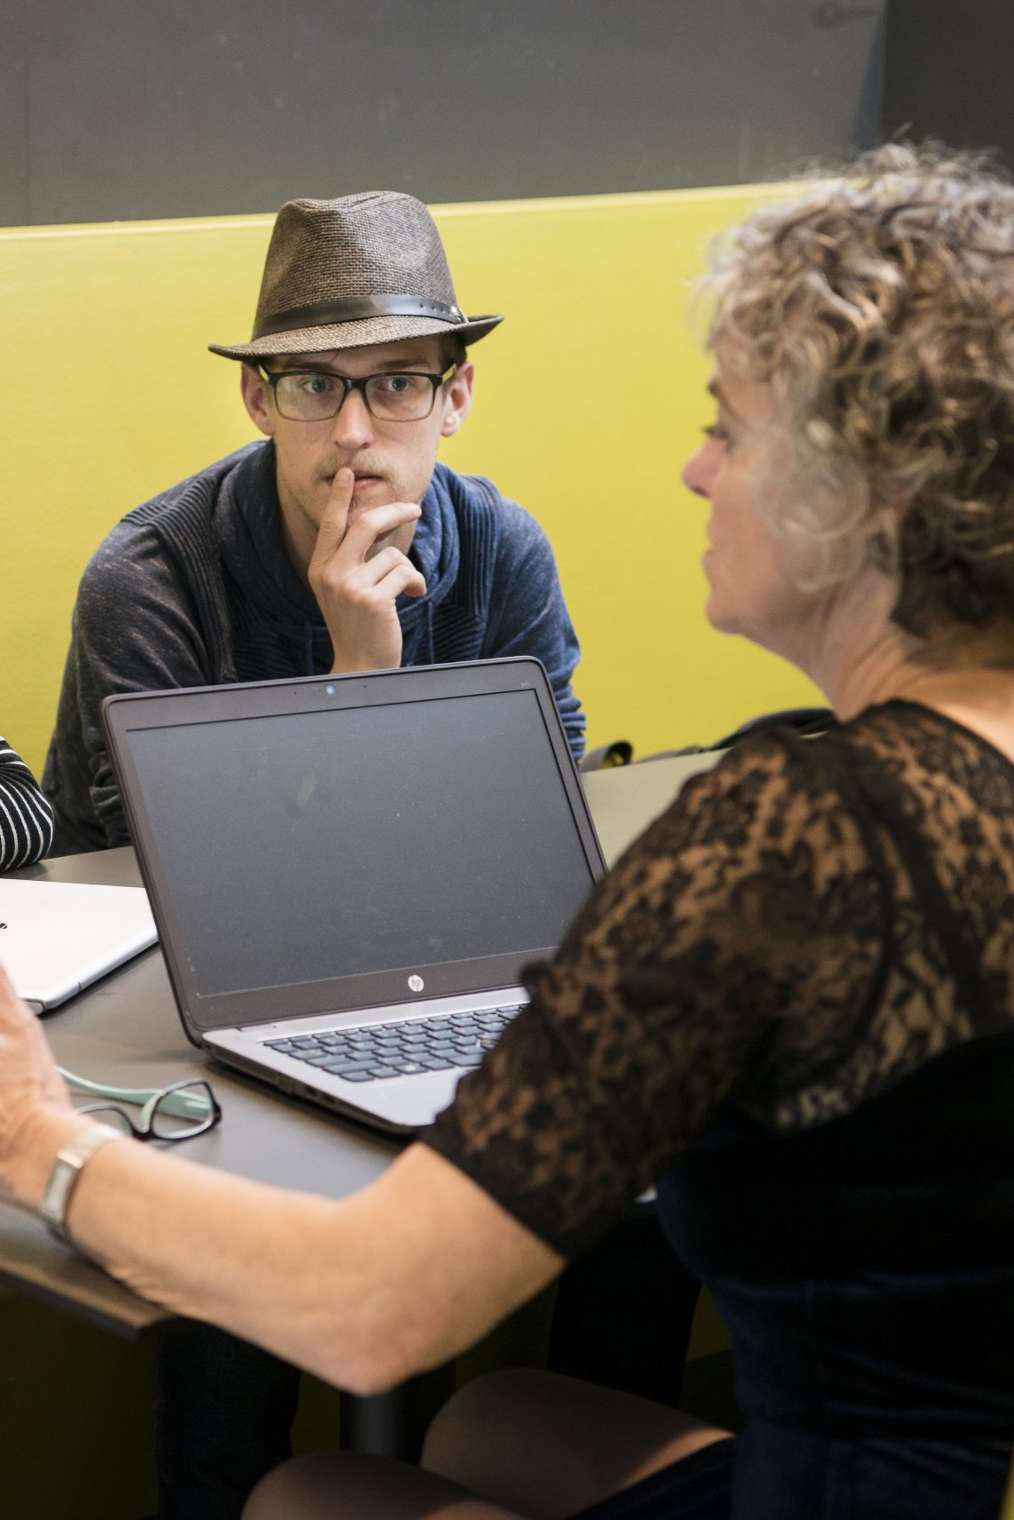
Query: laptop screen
(298, 847)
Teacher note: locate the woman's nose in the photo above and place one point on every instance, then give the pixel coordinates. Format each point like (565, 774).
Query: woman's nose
(698, 470)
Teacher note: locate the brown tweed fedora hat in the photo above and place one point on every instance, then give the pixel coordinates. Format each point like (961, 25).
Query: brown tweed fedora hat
(358, 270)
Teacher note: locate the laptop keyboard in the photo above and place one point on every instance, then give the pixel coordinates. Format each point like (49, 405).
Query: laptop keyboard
(374, 1052)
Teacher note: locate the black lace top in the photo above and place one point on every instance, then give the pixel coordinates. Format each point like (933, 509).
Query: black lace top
(808, 924)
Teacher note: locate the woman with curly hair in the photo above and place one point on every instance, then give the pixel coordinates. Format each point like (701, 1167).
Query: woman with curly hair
(790, 1006)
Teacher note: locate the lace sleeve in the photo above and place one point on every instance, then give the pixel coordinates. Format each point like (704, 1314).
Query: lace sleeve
(725, 957)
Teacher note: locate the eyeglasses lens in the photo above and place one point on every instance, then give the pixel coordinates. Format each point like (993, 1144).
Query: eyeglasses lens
(115, 1117)
(183, 1112)
(392, 398)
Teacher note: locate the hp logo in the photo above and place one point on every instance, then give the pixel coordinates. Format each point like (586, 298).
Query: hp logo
(416, 983)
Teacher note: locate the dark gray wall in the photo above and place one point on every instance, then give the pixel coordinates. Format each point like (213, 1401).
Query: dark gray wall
(947, 72)
(132, 108)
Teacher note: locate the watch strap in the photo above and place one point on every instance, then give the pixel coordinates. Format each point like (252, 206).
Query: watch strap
(63, 1179)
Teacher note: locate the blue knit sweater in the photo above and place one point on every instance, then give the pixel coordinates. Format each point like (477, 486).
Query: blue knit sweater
(194, 588)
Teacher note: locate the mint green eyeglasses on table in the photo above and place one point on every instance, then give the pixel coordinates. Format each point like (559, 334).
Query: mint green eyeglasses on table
(179, 1112)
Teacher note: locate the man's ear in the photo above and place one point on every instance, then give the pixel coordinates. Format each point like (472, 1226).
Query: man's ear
(256, 399)
(458, 399)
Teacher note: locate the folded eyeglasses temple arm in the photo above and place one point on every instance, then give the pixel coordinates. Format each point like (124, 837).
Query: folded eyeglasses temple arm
(183, 1104)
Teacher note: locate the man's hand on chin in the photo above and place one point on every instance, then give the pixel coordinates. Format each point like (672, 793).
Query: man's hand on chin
(356, 587)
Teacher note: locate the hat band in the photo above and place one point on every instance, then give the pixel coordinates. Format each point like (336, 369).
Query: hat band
(354, 310)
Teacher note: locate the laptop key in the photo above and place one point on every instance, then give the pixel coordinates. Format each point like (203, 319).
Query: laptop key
(345, 1068)
(383, 1071)
(437, 1063)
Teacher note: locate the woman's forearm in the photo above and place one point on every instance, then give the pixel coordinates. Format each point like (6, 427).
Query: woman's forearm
(362, 1292)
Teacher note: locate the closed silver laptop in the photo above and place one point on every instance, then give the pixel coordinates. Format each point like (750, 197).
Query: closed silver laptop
(57, 937)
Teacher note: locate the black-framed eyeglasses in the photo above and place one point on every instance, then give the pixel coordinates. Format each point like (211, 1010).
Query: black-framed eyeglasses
(316, 395)
(181, 1111)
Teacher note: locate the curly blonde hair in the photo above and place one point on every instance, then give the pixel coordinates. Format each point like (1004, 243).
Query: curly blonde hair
(880, 309)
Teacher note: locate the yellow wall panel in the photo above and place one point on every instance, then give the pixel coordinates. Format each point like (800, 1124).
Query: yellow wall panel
(588, 400)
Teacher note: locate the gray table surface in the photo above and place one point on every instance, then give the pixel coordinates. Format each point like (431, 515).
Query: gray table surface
(125, 1032)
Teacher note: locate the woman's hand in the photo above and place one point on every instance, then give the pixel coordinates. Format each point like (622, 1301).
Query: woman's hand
(30, 1086)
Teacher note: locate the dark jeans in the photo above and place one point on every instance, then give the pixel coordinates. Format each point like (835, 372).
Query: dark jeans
(622, 1318)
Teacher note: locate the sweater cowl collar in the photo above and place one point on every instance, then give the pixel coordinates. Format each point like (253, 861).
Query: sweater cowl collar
(248, 522)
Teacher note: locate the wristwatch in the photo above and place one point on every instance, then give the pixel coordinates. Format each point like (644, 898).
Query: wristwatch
(67, 1169)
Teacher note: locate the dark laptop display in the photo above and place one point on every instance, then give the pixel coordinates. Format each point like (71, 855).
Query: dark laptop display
(356, 846)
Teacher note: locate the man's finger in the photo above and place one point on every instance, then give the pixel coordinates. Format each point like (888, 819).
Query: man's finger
(334, 522)
(375, 575)
(375, 597)
(403, 579)
(375, 524)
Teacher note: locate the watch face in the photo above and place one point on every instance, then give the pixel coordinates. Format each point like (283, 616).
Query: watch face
(67, 1169)
(53, 1207)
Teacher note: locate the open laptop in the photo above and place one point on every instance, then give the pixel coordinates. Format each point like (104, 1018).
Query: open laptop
(57, 937)
(349, 872)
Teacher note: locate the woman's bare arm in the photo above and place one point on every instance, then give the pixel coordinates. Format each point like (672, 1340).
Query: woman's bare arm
(364, 1292)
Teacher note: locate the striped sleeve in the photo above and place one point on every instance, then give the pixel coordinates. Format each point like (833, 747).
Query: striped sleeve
(26, 819)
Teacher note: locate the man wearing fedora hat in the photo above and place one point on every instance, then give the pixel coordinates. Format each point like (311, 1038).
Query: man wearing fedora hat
(339, 543)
